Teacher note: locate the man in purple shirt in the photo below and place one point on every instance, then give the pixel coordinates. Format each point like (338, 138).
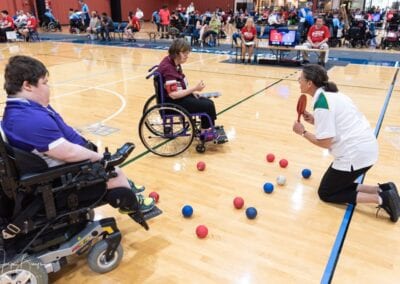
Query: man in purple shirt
(31, 124)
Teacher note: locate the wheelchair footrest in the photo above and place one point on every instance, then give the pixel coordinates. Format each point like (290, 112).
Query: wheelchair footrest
(141, 218)
(152, 213)
(220, 137)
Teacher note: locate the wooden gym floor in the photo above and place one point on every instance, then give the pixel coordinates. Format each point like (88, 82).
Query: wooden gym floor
(293, 237)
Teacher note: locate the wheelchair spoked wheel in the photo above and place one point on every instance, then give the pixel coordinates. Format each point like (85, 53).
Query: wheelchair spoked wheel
(24, 270)
(45, 28)
(152, 101)
(52, 27)
(166, 130)
(97, 259)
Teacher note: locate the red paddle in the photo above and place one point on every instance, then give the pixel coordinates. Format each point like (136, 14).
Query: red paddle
(301, 106)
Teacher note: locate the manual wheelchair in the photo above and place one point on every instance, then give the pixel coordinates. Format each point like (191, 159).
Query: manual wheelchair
(167, 129)
(46, 214)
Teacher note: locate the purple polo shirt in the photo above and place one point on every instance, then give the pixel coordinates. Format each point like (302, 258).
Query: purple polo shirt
(31, 127)
(170, 71)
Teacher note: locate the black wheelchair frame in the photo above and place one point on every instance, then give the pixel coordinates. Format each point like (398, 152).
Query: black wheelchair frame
(46, 214)
(167, 129)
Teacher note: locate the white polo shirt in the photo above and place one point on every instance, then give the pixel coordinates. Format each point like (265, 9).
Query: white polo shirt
(354, 143)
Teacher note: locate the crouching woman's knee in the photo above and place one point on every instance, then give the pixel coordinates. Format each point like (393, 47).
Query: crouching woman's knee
(325, 194)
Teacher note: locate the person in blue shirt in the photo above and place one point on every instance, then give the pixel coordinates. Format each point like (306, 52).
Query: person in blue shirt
(85, 12)
(155, 18)
(31, 124)
(50, 15)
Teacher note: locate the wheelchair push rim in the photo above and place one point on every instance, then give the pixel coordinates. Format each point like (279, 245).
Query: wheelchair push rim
(166, 130)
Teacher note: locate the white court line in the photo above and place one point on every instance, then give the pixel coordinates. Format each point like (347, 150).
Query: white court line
(121, 98)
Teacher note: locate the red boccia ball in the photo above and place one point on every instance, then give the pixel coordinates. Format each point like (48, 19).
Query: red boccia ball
(201, 231)
(270, 157)
(238, 202)
(155, 196)
(283, 163)
(201, 166)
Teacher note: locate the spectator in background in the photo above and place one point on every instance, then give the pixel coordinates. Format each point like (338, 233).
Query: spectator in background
(240, 21)
(274, 19)
(165, 18)
(180, 9)
(190, 9)
(21, 19)
(212, 30)
(94, 25)
(107, 26)
(30, 27)
(70, 12)
(155, 19)
(132, 27)
(85, 12)
(139, 14)
(317, 37)
(7, 25)
(249, 38)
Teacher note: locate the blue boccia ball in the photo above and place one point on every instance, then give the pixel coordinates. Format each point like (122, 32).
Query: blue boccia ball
(251, 212)
(306, 173)
(268, 187)
(187, 211)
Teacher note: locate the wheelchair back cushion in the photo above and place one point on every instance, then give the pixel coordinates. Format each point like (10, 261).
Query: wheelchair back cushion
(26, 162)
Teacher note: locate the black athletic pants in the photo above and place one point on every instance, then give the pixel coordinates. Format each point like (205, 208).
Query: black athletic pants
(339, 186)
(198, 105)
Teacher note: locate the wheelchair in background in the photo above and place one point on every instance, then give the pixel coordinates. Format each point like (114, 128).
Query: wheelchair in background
(50, 24)
(46, 214)
(167, 129)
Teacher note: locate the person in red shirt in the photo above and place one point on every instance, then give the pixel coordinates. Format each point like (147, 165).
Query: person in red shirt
(7, 24)
(165, 16)
(249, 38)
(317, 37)
(31, 26)
(132, 27)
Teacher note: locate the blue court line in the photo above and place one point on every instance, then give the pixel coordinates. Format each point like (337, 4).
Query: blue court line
(341, 235)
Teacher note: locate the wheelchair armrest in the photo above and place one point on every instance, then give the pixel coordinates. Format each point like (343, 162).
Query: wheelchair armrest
(56, 172)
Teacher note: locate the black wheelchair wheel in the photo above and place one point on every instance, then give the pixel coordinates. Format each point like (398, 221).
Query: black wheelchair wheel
(200, 148)
(45, 28)
(166, 130)
(52, 27)
(152, 101)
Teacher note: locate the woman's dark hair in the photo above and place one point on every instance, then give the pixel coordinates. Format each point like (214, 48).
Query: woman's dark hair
(20, 69)
(318, 75)
(178, 45)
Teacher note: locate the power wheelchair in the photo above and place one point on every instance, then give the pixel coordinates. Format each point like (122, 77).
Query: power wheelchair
(46, 214)
(167, 129)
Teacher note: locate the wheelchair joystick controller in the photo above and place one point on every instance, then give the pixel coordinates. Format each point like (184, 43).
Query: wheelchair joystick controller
(110, 161)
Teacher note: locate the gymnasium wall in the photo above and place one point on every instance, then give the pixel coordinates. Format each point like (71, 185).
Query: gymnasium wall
(61, 7)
